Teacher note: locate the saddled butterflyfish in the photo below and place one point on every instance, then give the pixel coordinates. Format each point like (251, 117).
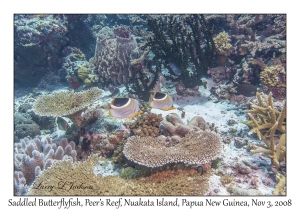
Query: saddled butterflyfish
(124, 108)
(161, 101)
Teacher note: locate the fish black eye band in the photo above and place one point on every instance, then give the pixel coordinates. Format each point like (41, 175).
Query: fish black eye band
(119, 102)
(159, 95)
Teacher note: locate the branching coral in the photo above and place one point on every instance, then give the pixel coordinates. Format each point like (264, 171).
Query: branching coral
(253, 27)
(81, 180)
(147, 125)
(269, 120)
(195, 148)
(66, 103)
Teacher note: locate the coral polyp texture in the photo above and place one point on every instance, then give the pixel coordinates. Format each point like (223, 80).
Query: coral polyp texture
(273, 80)
(195, 148)
(147, 125)
(34, 155)
(222, 44)
(268, 121)
(66, 103)
(79, 179)
(113, 54)
(173, 125)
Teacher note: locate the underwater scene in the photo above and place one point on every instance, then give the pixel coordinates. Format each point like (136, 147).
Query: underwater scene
(149, 104)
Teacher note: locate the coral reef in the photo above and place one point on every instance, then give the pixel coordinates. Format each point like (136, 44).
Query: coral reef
(271, 27)
(113, 55)
(238, 191)
(222, 45)
(38, 40)
(195, 148)
(147, 125)
(220, 73)
(273, 80)
(182, 91)
(173, 125)
(102, 144)
(66, 103)
(81, 173)
(222, 91)
(24, 127)
(34, 155)
(80, 33)
(178, 40)
(269, 120)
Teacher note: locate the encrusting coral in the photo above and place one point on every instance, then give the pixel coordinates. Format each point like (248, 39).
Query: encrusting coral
(269, 120)
(147, 125)
(195, 148)
(79, 179)
(66, 104)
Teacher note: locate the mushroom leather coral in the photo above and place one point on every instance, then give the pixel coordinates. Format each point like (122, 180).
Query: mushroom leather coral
(186, 182)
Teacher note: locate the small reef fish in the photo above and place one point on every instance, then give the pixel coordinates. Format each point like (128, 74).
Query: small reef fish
(62, 124)
(175, 69)
(124, 108)
(161, 101)
(246, 89)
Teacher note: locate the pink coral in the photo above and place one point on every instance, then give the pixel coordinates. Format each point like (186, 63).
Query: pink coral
(34, 155)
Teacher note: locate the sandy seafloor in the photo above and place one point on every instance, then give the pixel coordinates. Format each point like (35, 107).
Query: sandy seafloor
(218, 113)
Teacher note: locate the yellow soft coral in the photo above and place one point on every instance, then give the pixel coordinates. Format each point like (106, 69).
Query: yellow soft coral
(270, 76)
(223, 47)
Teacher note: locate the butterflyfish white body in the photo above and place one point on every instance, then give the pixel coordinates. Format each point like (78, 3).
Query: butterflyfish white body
(124, 108)
(162, 101)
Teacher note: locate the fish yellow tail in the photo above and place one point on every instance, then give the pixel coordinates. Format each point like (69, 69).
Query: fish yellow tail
(171, 108)
(138, 113)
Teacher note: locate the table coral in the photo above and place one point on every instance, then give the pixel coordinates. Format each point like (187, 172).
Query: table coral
(80, 179)
(195, 148)
(66, 103)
